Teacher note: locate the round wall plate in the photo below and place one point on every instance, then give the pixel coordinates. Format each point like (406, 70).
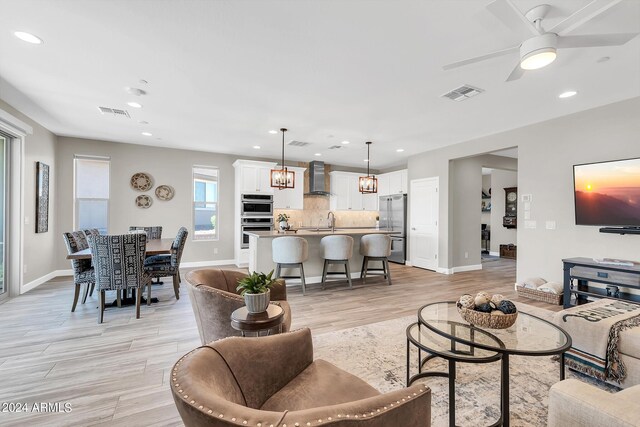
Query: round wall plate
(144, 202)
(141, 181)
(165, 192)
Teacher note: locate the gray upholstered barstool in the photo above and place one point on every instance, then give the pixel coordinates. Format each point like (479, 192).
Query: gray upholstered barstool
(375, 247)
(290, 252)
(336, 250)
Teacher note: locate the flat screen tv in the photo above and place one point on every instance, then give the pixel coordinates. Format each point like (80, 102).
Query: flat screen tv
(608, 193)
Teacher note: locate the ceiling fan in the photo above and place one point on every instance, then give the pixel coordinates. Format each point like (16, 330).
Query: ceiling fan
(540, 46)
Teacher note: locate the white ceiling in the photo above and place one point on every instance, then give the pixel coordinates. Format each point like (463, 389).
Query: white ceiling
(222, 73)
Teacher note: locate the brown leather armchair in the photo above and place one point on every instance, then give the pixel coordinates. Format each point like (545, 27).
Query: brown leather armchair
(214, 297)
(274, 381)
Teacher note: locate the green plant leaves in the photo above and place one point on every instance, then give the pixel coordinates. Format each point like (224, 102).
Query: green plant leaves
(256, 283)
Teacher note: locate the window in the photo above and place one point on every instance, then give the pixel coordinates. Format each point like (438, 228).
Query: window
(91, 193)
(205, 203)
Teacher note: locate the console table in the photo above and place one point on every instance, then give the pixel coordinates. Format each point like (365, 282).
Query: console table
(585, 270)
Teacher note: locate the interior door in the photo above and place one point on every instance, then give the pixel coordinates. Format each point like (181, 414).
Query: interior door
(3, 216)
(423, 235)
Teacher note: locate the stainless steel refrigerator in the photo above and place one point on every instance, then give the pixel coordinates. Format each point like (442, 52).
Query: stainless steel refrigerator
(393, 217)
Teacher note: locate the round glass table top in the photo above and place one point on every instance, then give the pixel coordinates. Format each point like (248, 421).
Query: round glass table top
(530, 335)
(434, 343)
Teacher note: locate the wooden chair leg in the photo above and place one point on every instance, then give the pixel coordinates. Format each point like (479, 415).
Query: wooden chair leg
(118, 298)
(176, 286)
(324, 273)
(364, 259)
(365, 267)
(138, 299)
(148, 293)
(101, 297)
(302, 279)
(179, 278)
(76, 295)
(348, 270)
(85, 293)
(93, 285)
(277, 270)
(387, 271)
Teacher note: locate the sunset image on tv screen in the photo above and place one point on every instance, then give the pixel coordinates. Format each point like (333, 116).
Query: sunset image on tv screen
(608, 193)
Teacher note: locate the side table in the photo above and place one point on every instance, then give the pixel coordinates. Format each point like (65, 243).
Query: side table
(243, 321)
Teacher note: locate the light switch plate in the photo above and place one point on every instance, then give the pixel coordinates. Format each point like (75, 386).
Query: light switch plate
(527, 206)
(551, 225)
(526, 197)
(530, 224)
(26, 220)
(527, 215)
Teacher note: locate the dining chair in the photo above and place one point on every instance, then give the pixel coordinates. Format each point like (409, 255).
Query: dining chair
(168, 264)
(89, 289)
(119, 265)
(83, 271)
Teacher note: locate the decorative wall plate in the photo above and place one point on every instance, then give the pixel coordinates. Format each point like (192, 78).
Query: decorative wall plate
(144, 201)
(165, 192)
(141, 181)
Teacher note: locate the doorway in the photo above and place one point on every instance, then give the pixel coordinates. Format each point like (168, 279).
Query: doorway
(4, 151)
(423, 240)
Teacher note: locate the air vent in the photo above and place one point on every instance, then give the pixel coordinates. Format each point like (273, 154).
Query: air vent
(299, 143)
(335, 147)
(114, 111)
(463, 92)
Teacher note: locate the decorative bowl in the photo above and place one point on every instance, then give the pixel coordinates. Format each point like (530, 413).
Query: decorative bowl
(487, 320)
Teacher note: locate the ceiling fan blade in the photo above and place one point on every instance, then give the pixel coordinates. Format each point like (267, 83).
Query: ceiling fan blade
(594, 40)
(590, 11)
(517, 72)
(511, 16)
(482, 57)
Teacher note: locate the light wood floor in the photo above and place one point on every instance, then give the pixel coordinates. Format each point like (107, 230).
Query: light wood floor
(117, 373)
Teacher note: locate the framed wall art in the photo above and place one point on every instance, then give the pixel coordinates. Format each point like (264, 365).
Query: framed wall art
(42, 197)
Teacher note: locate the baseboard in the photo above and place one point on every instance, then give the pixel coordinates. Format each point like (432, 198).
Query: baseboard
(408, 263)
(207, 263)
(444, 270)
(466, 268)
(494, 253)
(40, 280)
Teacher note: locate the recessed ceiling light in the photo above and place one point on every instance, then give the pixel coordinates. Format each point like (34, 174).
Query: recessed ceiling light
(28, 37)
(318, 154)
(147, 133)
(567, 94)
(143, 81)
(273, 132)
(400, 150)
(603, 59)
(134, 91)
(143, 122)
(345, 142)
(134, 104)
(256, 147)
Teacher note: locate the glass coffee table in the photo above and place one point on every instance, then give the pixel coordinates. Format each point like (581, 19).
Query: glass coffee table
(529, 336)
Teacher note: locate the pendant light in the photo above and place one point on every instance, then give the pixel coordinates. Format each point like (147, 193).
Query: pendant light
(282, 178)
(368, 184)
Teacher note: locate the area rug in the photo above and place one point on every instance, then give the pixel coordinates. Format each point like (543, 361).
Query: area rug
(377, 354)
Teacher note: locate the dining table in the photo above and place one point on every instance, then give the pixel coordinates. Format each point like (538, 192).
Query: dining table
(154, 247)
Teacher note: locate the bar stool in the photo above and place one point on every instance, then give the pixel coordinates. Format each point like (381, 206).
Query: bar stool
(290, 252)
(336, 250)
(375, 247)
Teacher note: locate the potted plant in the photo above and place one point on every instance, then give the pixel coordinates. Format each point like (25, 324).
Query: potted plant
(255, 290)
(283, 219)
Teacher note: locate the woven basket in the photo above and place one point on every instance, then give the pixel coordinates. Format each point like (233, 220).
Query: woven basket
(486, 320)
(555, 299)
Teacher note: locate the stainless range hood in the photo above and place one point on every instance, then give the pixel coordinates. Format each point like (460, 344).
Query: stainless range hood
(316, 179)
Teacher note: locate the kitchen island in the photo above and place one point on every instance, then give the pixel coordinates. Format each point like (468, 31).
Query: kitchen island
(261, 259)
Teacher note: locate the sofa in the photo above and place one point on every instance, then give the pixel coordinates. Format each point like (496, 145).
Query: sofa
(214, 297)
(274, 381)
(573, 403)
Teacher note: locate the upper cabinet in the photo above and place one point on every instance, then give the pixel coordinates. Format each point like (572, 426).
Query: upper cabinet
(291, 198)
(393, 183)
(253, 177)
(345, 194)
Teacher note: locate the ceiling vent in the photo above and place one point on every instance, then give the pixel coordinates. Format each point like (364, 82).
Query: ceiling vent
(114, 112)
(463, 92)
(299, 143)
(335, 147)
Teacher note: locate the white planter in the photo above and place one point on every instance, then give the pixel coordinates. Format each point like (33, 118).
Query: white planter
(257, 303)
(284, 225)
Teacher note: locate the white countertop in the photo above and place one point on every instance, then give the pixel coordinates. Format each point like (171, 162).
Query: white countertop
(321, 233)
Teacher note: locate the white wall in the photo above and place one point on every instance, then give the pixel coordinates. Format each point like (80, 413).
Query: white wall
(38, 247)
(501, 179)
(546, 153)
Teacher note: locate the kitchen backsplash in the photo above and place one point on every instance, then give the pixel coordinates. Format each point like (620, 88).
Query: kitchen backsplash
(312, 217)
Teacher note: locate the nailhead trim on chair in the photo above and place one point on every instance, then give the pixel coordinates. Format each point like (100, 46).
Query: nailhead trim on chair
(259, 424)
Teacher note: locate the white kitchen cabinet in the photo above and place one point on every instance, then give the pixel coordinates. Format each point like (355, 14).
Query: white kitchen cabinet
(370, 202)
(393, 183)
(339, 191)
(291, 198)
(254, 177)
(345, 195)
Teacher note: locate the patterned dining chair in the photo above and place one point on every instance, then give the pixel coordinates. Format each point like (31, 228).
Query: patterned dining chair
(89, 289)
(83, 272)
(168, 265)
(119, 264)
(153, 233)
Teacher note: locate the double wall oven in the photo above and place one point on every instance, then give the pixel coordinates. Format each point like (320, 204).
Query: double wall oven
(256, 212)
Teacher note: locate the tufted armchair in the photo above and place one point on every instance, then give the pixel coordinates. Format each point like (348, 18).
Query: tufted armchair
(214, 297)
(223, 385)
(83, 272)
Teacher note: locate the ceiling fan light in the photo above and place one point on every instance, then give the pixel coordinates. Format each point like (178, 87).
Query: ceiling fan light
(538, 59)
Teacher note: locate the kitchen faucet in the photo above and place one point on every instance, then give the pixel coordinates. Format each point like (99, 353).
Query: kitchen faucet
(332, 222)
